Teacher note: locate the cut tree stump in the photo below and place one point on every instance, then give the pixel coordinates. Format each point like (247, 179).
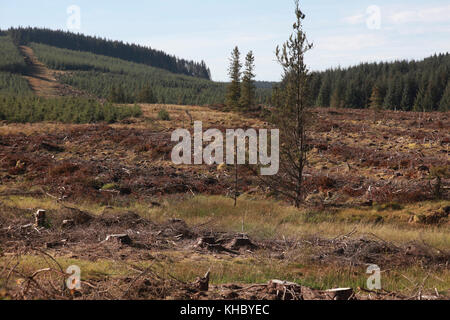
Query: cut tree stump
(40, 218)
(202, 284)
(205, 241)
(242, 242)
(339, 293)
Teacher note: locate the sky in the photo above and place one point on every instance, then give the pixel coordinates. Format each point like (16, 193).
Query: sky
(344, 32)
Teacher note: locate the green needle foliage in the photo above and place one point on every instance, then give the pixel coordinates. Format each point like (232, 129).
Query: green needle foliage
(248, 89)
(234, 88)
(292, 114)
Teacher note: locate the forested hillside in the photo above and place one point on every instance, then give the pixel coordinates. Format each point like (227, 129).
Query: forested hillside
(100, 75)
(402, 85)
(116, 49)
(10, 58)
(11, 62)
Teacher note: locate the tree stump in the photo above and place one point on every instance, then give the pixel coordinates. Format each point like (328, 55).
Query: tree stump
(339, 293)
(40, 218)
(242, 242)
(202, 284)
(205, 241)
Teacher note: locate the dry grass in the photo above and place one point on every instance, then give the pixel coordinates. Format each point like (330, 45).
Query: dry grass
(268, 219)
(186, 266)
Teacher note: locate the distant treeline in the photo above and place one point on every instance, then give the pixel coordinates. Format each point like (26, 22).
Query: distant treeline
(403, 85)
(24, 109)
(116, 49)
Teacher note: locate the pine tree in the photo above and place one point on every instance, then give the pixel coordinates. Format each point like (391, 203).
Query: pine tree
(428, 99)
(393, 95)
(146, 95)
(234, 89)
(352, 95)
(336, 100)
(376, 101)
(117, 95)
(444, 104)
(248, 89)
(323, 99)
(407, 100)
(292, 114)
(419, 101)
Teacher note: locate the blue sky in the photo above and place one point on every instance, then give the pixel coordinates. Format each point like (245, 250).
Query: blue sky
(344, 32)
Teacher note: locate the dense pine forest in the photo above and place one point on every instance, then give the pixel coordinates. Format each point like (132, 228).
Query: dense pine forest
(116, 49)
(401, 85)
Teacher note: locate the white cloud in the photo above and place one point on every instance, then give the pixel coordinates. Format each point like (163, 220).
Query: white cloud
(436, 14)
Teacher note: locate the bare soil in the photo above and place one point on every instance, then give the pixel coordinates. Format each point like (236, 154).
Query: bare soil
(42, 80)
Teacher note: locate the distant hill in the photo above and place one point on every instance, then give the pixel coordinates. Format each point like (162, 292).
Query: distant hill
(107, 77)
(116, 49)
